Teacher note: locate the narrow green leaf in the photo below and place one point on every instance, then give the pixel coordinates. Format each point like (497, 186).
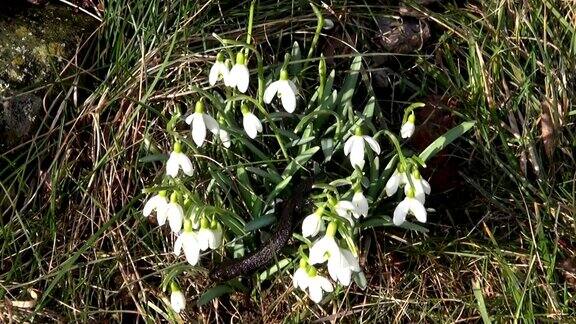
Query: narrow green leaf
(260, 222)
(213, 293)
(273, 269)
(441, 142)
(480, 301)
(347, 90)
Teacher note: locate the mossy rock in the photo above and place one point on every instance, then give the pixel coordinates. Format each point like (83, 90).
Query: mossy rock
(35, 42)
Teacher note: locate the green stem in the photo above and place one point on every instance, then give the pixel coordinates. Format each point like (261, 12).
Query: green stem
(396, 143)
(250, 22)
(319, 27)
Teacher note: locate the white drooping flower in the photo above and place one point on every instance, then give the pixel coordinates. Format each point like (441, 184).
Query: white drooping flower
(354, 147)
(177, 298)
(420, 186)
(340, 268)
(219, 70)
(251, 123)
(326, 247)
(346, 209)
(199, 121)
(313, 223)
(225, 138)
(239, 76)
(360, 204)
(188, 241)
(286, 90)
(398, 178)
(174, 213)
(158, 203)
(409, 205)
(309, 279)
(408, 127)
(177, 161)
(341, 262)
(209, 235)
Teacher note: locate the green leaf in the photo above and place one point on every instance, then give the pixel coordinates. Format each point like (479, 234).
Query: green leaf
(386, 221)
(369, 108)
(441, 142)
(480, 301)
(347, 90)
(299, 161)
(260, 222)
(296, 67)
(213, 293)
(273, 269)
(153, 158)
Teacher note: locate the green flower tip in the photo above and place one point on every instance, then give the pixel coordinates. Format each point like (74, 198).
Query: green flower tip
(410, 193)
(358, 131)
(283, 74)
(162, 193)
(174, 197)
(331, 230)
(244, 109)
(204, 223)
(412, 118)
(416, 174)
(220, 57)
(214, 224)
(320, 210)
(174, 287)
(240, 59)
(303, 263)
(312, 272)
(199, 108)
(187, 225)
(178, 147)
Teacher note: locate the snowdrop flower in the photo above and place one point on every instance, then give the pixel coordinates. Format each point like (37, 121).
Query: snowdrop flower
(408, 128)
(300, 277)
(239, 76)
(354, 147)
(409, 205)
(360, 204)
(286, 90)
(219, 70)
(420, 186)
(199, 121)
(316, 284)
(398, 178)
(188, 241)
(159, 203)
(313, 223)
(177, 161)
(341, 268)
(225, 138)
(345, 208)
(174, 213)
(251, 123)
(209, 235)
(177, 299)
(325, 247)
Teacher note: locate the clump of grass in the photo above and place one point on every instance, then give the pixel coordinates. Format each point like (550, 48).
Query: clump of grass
(72, 230)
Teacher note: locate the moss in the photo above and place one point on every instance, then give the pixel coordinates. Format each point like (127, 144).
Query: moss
(34, 41)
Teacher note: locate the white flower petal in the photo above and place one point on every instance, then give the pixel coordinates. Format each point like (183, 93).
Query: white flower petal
(152, 204)
(287, 95)
(320, 248)
(178, 245)
(325, 284)
(407, 130)
(300, 279)
(184, 163)
(189, 119)
(240, 77)
(172, 166)
(315, 293)
(211, 124)
(373, 144)
(225, 138)
(357, 152)
(270, 92)
(204, 237)
(417, 209)
(426, 186)
(198, 129)
(214, 74)
(351, 260)
(360, 203)
(175, 217)
(311, 225)
(252, 125)
(177, 301)
(392, 184)
(400, 212)
(191, 249)
(348, 145)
